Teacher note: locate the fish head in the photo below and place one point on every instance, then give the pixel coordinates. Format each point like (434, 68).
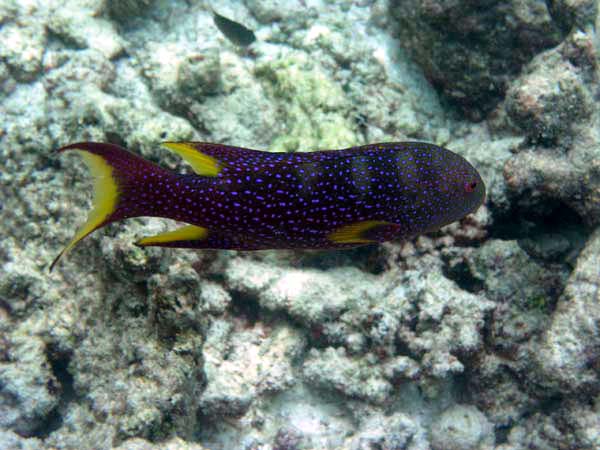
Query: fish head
(456, 186)
(465, 187)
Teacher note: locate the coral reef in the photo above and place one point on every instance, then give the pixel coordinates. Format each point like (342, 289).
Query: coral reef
(559, 163)
(471, 49)
(462, 427)
(483, 335)
(567, 355)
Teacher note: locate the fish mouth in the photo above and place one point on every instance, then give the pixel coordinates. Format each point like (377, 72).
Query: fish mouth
(482, 195)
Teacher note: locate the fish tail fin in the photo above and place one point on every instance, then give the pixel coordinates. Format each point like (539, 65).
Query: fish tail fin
(118, 180)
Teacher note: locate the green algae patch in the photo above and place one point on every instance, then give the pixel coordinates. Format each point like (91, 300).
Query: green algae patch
(313, 110)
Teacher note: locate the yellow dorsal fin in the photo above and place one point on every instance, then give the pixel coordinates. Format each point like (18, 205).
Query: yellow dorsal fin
(354, 233)
(187, 233)
(202, 163)
(106, 196)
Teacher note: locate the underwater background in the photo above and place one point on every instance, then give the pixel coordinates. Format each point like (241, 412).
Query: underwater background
(484, 335)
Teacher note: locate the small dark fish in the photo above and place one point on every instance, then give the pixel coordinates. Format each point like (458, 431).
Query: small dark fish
(252, 200)
(234, 31)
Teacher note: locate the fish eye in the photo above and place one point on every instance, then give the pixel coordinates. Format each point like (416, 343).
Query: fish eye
(470, 186)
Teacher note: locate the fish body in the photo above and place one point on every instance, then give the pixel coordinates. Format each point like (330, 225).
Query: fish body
(234, 31)
(247, 199)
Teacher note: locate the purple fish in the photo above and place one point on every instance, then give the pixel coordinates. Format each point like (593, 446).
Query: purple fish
(247, 199)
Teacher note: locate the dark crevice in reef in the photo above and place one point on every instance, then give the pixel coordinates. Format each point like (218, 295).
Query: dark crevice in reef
(501, 433)
(462, 276)
(59, 363)
(368, 258)
(316, 337)
(462, 388)
(246, 306)
(546, 406)
(115, 138)
(523, 221)
(551, 232)
(61, 41)
(5, 304)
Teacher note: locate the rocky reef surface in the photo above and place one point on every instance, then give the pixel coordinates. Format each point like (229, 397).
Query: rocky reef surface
(484, 335)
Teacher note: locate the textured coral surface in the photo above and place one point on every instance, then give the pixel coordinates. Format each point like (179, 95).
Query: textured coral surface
(484, 335)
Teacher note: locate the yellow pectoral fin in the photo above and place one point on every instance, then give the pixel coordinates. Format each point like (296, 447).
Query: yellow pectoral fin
(202, 163)
(356, 233)
(187, 233)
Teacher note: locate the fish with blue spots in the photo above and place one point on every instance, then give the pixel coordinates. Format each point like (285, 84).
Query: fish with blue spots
(244, 199)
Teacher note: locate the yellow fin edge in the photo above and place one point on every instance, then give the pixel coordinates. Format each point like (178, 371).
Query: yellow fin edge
(202, 163)
(187, 233)
(351, 234)
(106, 196)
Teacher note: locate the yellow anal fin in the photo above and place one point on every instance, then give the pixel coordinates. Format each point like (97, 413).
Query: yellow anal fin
(170, 238)
(202, 163)
(357, 232)
(106, 196)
